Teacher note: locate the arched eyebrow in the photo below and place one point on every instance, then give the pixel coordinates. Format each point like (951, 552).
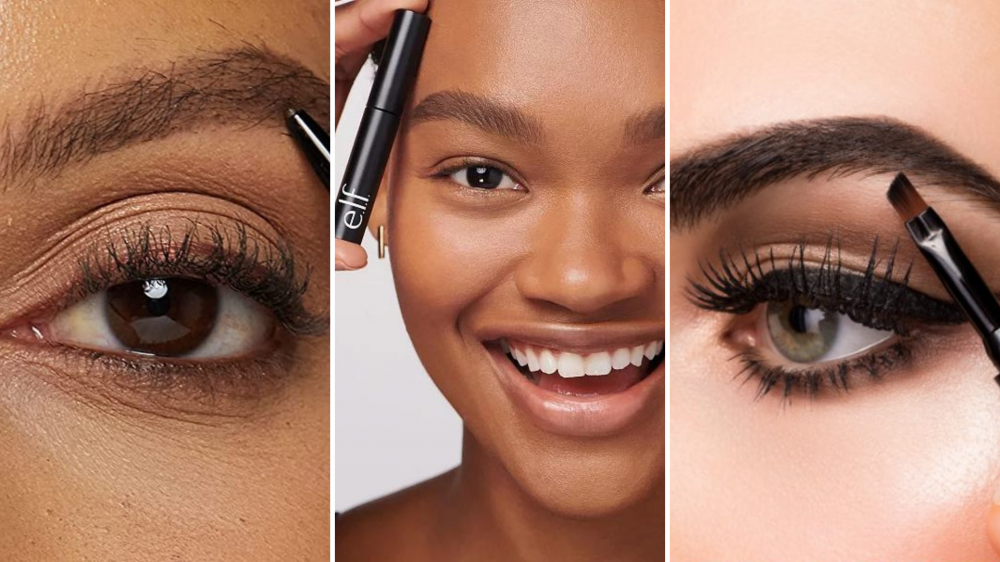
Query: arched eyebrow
(718, 175)
(495, 118)
(243, 87)
(483, 113)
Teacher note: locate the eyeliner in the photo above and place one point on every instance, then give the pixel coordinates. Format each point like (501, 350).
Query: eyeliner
(379, 124)
(950, 263)
(313, 140)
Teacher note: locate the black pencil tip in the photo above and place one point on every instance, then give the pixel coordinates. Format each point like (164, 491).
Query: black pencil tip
(289, 113)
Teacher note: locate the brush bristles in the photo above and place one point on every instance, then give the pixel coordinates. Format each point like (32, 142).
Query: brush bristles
(905, 199)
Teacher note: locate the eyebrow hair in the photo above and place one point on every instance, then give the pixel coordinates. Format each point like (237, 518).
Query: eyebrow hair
(647, 126)
(478, 111)
(498, 119)
(244, 87)
(716, 176)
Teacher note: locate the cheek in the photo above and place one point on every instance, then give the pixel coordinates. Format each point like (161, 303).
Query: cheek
(445, 259)
(915, 455)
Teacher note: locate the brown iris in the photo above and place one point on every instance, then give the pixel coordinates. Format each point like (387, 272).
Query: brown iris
(165, 317)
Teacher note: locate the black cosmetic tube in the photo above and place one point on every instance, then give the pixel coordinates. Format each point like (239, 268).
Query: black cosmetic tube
(379, 124)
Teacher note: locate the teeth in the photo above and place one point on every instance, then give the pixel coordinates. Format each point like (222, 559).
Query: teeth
(532, 360)
(547, 361)
(621, 358)
(597, 363)
(637, 355)
(573, 365)
(652, 348)
(570, 365)
(521, 358)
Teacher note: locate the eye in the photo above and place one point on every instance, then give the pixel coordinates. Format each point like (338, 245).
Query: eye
(811, 335)
(658, 187)
(164, 317)
(816, 326)
(483, 177)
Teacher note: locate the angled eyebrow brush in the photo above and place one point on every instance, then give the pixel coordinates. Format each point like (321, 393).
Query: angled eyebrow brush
(950, 263)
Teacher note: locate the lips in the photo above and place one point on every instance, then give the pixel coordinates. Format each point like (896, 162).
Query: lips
(580, 381)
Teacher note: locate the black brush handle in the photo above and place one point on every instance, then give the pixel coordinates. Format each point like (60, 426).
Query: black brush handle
(959, 277)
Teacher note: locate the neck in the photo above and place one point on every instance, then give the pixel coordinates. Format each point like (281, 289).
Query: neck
(486, 511)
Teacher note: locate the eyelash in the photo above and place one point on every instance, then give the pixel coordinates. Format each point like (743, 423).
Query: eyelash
(741, 282)
(445, 172)
(266, 273)
(230, 257)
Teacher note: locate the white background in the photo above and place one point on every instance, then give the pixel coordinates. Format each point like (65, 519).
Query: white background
(393, 427)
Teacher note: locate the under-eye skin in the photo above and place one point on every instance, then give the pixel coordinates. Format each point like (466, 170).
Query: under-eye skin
(209, 309)
(818, 325)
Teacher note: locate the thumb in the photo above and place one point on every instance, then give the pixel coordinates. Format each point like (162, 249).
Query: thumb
(362, 23)
(349, 256)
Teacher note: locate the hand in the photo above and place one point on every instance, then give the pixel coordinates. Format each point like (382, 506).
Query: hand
(358, 26)
(349, 256)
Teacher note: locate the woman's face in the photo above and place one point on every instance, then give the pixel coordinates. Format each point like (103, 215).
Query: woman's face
(555, 243)
(143, 141)
(900, 468)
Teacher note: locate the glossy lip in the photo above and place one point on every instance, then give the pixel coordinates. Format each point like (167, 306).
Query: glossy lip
(578, 416)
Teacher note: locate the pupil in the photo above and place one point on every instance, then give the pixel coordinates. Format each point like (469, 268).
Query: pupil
(483, 176)
(163, 317)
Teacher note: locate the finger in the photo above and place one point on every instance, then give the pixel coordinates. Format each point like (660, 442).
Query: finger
(362, 23)
(349, 256)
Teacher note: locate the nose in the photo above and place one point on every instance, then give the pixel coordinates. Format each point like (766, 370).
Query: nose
(584, 270)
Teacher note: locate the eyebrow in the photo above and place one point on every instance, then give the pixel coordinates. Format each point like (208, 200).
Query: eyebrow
(480, 112)
(245, 87)
(499, 119)
(646, 127)
(716, 176)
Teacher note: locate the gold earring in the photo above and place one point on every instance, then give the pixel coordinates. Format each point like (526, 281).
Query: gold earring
(382, 246)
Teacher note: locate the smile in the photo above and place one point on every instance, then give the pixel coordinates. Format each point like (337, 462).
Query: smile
(577, 374)
(581, 382)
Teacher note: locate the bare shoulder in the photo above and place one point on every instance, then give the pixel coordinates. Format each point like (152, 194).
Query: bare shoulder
(394, 527)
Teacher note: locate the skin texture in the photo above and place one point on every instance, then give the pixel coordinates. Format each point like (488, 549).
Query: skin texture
(585, 248)
(902, 470)
(96, 464)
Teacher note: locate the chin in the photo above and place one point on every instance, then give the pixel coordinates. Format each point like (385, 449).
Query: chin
(587, 479)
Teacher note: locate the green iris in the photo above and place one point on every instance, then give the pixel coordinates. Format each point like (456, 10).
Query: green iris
(803, 335)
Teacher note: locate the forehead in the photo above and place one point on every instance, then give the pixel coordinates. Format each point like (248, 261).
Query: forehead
(546, 57)
(51, 46)
(740, 65)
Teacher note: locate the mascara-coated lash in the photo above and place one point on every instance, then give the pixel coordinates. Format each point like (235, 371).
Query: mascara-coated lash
(878, 297)
(882, 301)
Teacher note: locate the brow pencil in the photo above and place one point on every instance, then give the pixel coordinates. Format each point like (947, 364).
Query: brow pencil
(950, 263)
(314, 141)
(379, 124)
